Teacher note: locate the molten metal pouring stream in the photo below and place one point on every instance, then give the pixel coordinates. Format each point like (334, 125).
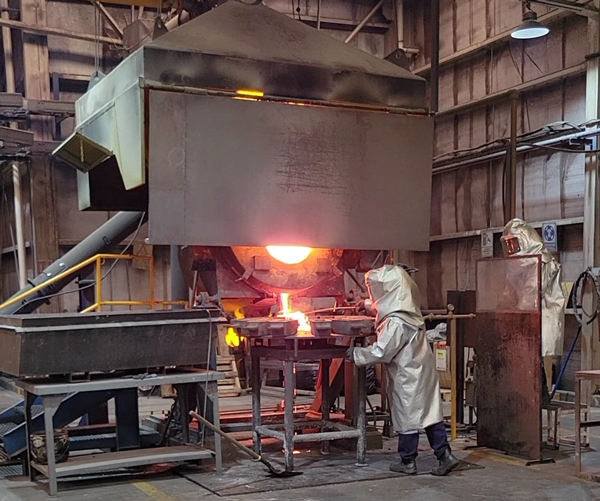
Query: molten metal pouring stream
(303, 324)
(286, 312)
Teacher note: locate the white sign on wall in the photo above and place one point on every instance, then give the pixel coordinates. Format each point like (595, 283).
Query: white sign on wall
(487, 244)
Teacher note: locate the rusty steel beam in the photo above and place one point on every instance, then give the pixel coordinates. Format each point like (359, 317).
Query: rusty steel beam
(573, 221)
(17, 136)
(165, 5)
(48, 31)
(537, 83)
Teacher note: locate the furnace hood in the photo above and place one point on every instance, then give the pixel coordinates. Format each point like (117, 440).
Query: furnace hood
(333, 149)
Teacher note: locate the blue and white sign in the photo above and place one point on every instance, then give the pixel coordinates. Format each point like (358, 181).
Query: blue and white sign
(550, 236)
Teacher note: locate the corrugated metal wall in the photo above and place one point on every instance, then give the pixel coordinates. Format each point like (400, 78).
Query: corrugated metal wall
(550, 74)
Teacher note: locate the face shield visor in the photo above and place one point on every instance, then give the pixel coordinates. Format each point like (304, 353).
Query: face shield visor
(510, 245)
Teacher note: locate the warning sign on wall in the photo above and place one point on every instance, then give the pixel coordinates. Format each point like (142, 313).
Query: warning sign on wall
(487, 244)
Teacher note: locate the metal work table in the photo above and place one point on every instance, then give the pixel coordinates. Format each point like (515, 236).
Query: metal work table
(53, 392)
(301, 348)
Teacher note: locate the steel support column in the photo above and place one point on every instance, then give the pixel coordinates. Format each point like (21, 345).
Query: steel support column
(19, 230)
(434, 77)
(510, 200)
(591, 238)
(9, 69)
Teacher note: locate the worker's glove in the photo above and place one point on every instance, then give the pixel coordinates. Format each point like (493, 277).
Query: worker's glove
(350, 354)
(364, 307)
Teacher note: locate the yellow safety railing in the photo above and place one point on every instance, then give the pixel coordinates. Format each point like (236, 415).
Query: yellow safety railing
(98, 260)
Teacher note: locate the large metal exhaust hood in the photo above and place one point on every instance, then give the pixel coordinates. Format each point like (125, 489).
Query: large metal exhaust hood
(331, 148)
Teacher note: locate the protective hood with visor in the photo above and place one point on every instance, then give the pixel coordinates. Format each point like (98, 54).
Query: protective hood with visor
(392, 290)
(521, 239)
(413, 388)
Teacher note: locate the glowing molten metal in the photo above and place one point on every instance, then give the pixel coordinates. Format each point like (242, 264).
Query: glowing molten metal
(286, 312)
(289, 255)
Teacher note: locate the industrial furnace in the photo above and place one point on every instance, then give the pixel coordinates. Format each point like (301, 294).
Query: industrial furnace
(281, 162)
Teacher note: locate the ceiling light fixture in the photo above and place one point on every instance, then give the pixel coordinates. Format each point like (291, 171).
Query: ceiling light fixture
(530, 28)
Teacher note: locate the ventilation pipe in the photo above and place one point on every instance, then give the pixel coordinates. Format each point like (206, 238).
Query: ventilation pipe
(109, 235)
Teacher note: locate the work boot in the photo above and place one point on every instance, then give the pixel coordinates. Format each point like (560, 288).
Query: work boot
(447, 464)
(406, 468)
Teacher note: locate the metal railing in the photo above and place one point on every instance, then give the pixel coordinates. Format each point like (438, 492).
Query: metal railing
(98, 260)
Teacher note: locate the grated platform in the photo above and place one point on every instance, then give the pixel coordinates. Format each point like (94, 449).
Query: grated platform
(6, 427)
(36, 410)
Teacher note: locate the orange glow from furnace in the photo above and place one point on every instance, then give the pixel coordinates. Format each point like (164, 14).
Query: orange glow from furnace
(289, 254)
(286, 312)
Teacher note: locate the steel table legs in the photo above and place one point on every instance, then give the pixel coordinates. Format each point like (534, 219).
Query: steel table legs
(361, 422)
(213, 395)
(27, 469)
(288, 444)
(51, 404)
(325, 404)
(360, 402)
(184, 412)
(361, 418)
(256, 421)
(127, 418)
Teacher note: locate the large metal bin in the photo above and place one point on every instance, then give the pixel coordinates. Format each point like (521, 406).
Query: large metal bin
(40, 345)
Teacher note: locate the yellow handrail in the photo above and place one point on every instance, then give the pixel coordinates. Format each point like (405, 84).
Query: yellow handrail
(58, 277)
(152, 304)
(97, 259)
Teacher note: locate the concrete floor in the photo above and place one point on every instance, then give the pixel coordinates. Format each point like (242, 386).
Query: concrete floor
(502, 477)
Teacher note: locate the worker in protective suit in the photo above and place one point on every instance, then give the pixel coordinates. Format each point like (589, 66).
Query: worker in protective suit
(413, 388)
(520, 239)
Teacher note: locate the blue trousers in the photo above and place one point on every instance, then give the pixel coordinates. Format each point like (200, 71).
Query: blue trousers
(408, 443)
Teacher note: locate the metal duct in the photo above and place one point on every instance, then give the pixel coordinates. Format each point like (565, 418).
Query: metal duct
(106, 237)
